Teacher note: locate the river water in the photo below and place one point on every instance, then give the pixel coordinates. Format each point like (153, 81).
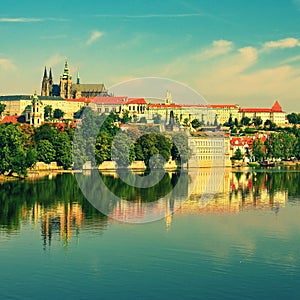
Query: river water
(240, 241)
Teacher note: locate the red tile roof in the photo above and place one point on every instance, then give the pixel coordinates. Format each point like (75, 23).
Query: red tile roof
(173, 105)
(10, 119)
(223, 106)
(136, 101)
(276, 107)
(254, 110)
(109, 100)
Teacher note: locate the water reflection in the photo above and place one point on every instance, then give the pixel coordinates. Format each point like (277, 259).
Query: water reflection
(57, 206)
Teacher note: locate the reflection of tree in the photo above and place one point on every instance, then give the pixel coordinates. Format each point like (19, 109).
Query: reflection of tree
(132, 193)
(46, 200)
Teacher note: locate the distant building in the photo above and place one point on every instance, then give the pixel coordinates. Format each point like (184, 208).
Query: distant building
(209, 149)
(67, 89)
(274, 114)
(36, 117)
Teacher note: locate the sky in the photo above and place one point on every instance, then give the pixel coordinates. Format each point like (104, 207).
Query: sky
(231, 51)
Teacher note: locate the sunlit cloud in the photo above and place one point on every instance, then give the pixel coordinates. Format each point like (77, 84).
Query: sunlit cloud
(282, 44)
(55, 60)
(291, 60)
(94, 37)
(6, 64)
(218, 47)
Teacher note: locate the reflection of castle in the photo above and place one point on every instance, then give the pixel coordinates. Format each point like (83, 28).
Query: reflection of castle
(62, 219)
(234, 193)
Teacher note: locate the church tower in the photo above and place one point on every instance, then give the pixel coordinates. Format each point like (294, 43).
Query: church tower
(65, 83)
(45, 91)
(37, 111)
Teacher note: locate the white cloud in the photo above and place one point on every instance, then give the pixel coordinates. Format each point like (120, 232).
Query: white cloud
(233, 75)
(55, 60)
(7, 64)
(290, 60)
(94, 37)
(19, 20)
(217, 48)
(282, 44)
(30, 20)
(152, 16)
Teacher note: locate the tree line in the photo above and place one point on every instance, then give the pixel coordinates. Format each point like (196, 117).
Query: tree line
(97, 139)
(278, 145)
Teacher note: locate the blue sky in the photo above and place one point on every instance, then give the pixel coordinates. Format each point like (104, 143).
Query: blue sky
(242, 52)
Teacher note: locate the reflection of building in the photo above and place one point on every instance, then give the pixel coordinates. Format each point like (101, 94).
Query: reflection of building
(236, 192)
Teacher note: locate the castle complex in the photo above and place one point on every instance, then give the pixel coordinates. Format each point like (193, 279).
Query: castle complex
(71, 97)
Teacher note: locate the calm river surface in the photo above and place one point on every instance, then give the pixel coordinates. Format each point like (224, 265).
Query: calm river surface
(242, 243)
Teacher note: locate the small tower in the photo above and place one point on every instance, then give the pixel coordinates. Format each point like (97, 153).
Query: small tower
(45, 91)
(37, 111)
(78, 78)
(65, 83)
(168, 99)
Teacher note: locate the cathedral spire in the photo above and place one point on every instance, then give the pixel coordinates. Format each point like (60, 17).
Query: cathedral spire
(50, 76)
(45, 73)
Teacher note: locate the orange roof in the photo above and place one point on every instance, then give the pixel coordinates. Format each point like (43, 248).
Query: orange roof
(276, 107)
(255, 110)
(224, 106)
(162, 105)
(10, 119)
(109, 100)
(85, 100)
(136, 101)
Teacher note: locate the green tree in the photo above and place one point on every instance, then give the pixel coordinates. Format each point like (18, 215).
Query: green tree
(258, 150)
(245, 121)
(157, 119)
(269, 124)
(289, 144)
(257, 121)
(79, 113)
(102, 147)
(125, 117)
(13, 151)
(45, 151)
(123, 150)
(180, 150)
(236, 122)
(2, 108)
(196, 123)
(48, 111)
(152, 144)
(63, 149)
(186, 122)
(143, 120)
(293, 118)
(58, 113)
(238, 154)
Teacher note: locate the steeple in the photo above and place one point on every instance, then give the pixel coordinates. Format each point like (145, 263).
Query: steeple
(65, 82)
(50, 76)
(45, 73)
(78, 78)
